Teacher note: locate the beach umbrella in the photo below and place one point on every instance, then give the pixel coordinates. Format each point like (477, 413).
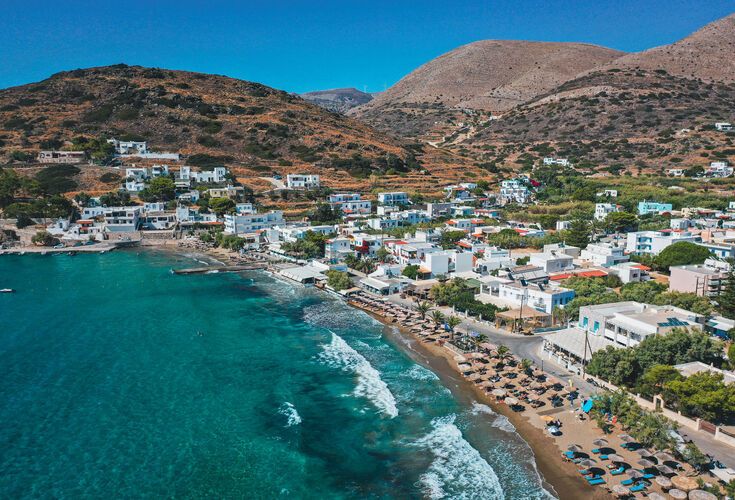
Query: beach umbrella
(665, 469)
(532, 397)
(656, 496)
(664, 482)
(600, 442)
(620, 490)
(575, 448)
(645, 463)
(678, 494)
(614, 457)
(635, 474)
(684, 483)
(644, 452)
(701, 495)
(663, 456)
(499, 392)
(547, 418)
(587, 462)
(626, 438)
(511, 401)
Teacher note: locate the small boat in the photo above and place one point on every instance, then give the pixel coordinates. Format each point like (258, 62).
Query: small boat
(7, 290)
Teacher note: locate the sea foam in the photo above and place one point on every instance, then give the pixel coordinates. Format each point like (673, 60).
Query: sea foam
(339, 354)
(288, 410)
(457, 470)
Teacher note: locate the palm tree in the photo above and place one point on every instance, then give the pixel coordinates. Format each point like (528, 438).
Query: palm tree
(452, 323)
(437, 317)
(502, 351)
(423, 308)
(526, 365)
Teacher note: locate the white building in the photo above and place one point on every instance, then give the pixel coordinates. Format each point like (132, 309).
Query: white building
(350, 203)
(553, 261)
(602, 210)
(243, 224)
(394, 198)
(217, 175)
(653, 242)
(719, 169)
(604, 254)
(336, 249)
(61, 157)
(562, 162)
(129, 147)
(122, 219)
(542, 297)
(628, 323)
(630, 272)
(443, 263)
(514, 191)
(724, 126)
(608, 193)
(302, 181)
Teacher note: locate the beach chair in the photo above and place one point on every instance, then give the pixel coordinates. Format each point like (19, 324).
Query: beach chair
(627, 482)
(638, 487)
(603, 457)
(597, 481)
(596, 451)
(617, 471)
(569, 454)
(591, 477)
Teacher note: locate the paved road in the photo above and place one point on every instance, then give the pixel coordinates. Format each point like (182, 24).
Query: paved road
(530, 347)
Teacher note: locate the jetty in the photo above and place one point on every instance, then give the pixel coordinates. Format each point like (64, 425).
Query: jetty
(222, 269)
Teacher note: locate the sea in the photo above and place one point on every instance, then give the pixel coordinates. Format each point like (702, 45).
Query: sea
(119, 378)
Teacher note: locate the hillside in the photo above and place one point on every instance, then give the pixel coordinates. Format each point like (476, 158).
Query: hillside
(706, 54)
(338, 100)
(246, 123)
(489, 76)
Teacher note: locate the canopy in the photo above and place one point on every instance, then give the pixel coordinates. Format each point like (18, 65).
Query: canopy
(664, 482)
(600, 442)
(701, 495)
(684, 483)
(678, 494)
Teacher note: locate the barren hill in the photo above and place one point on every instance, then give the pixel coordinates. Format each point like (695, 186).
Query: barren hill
(708, 54)
(249, 123)
(338, 100)
(485, 76)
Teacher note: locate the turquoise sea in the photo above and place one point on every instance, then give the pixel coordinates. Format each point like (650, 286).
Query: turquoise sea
(120, 379)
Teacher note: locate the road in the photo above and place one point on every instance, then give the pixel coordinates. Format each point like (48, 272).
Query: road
(530, 347)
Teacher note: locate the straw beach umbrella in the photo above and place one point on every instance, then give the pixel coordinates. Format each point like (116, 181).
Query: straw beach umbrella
(664, 482)
(701, 495)
(645, 463)
(684, 483)
(600, 442)
(644, 452)
(614, 457)
(499, 392)
(678, 494)
(620, 490)
(656, 496)
(587, 462)
(511, 401)
(626, 438)
(665, 469)
(634, 473)
(663, 456)
(575, 448)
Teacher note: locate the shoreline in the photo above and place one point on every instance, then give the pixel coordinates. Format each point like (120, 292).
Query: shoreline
(557, 477)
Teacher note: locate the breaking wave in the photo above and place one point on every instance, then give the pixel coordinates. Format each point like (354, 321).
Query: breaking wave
(339, 354)
(288, 410)
(457, 470)
(418, 372)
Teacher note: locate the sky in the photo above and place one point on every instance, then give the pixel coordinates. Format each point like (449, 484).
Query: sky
(299, 45)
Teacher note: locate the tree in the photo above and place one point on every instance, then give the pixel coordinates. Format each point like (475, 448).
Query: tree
(452, 323)
(704, 395)
(82, 198)
(338, 280)
(437, 317)
(324, 213)
(653, 381)
(617, 222)
(503, 351)
(682, 253)
(383, 255)
(159, 189)
(113, 199)
(411, 271)
(423, 308)
(726, 300)
(449, 239)
(43, 238)
(23, 220)
(688, 301)
(645, 292)
(221, 206)
(10, 184)
(579, 232)
(526, 365)
(694, 457)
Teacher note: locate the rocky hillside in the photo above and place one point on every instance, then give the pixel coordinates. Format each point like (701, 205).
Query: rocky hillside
(245, 123)
(338, 100)
(478, 79)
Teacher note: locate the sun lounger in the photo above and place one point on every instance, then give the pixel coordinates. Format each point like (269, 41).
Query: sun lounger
(638, 487)
(599, 480)
(627, 482)
(617, 471)
(603, 457)
(596, 451)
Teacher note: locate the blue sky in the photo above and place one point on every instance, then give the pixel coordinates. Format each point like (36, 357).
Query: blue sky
(300, 45)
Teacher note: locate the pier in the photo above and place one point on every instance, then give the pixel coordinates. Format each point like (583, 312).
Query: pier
(222, 269)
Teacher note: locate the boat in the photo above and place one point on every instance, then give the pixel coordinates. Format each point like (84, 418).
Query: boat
(7, 290)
